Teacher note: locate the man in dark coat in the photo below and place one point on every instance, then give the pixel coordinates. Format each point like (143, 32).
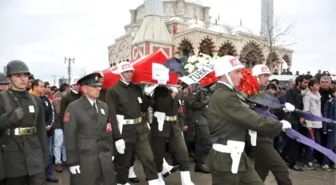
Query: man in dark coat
(25, 154)
(294, 97)
(88, 136)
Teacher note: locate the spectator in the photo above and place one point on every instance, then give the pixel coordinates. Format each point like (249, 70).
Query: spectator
(275, 72)
(318, 74)
(297, 73)
(59, 149)
(288, 72)
(330, 129)
(291, 84)
(283, 72)
(325, 90)
(333, 84)
(30, 80)
(38, 89)
(312, 103)
(294, 97)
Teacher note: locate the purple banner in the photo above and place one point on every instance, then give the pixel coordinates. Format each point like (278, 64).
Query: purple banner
(301, 138)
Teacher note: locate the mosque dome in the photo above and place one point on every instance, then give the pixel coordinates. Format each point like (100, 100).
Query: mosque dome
(242, 29)
(218, 29)
(195, 21)
(176, 19)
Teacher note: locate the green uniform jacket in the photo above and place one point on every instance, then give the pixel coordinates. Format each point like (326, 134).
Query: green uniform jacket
(24, 154)
(65, 101)
(260, 137)
(230, 119)
(129, 101)
(164, 102)
(89, 142)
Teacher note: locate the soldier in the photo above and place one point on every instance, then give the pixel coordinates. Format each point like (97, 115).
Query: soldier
(265, 155)
(230, 119)
(165, 127)
(4, 82)
(88, 136)
(25, 156)
(198, 102)
(128, 102)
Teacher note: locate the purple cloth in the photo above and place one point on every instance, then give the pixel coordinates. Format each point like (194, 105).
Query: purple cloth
(299, 137)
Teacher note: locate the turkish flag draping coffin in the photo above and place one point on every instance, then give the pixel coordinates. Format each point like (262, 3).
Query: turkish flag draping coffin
(143, 69)
(110, 78)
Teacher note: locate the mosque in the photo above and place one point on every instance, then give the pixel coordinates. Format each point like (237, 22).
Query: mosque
(183, 28)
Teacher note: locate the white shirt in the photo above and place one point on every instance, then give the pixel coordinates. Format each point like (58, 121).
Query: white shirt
(76, 92)
(93, 102)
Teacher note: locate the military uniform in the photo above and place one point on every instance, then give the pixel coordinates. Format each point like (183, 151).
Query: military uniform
(268, 159)
(2, 169)
(230, 119)
(165, 127)
(88, 139)
(198, 102)
(129, 103)
(25, 155)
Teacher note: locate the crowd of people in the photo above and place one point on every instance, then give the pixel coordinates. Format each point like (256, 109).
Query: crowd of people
(98, 134)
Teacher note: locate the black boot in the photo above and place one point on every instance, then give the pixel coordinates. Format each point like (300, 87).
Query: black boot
(201, 168)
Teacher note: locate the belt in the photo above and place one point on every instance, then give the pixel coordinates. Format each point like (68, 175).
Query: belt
(221, 148)
(235, 149)
(170, 118)
(132, 121)
(21, 131)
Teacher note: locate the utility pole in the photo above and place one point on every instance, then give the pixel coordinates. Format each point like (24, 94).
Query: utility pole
(54, 77)
(69, 61)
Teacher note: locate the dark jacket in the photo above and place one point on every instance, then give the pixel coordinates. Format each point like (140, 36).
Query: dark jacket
(294, 97)
(330, 112)
(49, 114)
(65, 101)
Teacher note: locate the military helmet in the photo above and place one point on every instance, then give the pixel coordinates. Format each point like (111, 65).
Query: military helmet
(3, 79)
(16, 67)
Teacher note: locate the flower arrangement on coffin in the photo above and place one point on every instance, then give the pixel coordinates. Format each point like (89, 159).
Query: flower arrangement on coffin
(248, 85)
(195, 62)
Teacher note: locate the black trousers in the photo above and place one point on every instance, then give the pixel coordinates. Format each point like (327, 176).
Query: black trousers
(38, 179)
(292, 151)
(202, 142)
(268, 159)
(176, 145)
(144, 153)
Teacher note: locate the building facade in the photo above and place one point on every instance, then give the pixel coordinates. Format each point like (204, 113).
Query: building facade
(183, 28)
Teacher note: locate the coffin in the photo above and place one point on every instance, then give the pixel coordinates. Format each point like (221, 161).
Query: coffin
(143, 71)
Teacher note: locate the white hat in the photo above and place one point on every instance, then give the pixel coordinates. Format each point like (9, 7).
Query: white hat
(260, 69)
(124, 66)
(226, 64)
(74, 80)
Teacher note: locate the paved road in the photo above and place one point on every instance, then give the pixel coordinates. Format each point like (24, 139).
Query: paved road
(317, 177)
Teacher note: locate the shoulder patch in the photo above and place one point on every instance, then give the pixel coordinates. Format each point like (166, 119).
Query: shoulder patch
(66, 117)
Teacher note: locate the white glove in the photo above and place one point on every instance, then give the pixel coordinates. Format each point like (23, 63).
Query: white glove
(172, 88)
(289, 107)
(74, 170)
(120, 146)
(149, 89)
(112, 158)
(285, 125)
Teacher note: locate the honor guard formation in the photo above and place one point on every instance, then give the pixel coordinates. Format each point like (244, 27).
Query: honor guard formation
(98, 134)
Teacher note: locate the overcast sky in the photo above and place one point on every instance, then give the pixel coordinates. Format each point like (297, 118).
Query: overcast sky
(43, 32)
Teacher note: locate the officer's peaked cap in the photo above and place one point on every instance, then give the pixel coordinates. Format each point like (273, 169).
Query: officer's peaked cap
(92, 79)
